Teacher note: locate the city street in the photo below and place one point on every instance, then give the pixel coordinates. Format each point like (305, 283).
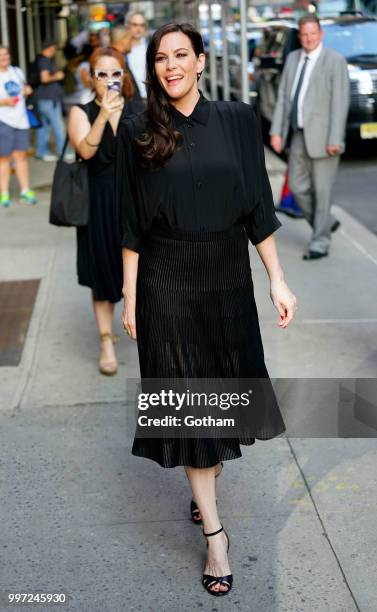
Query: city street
(356, 187)
(83, 516)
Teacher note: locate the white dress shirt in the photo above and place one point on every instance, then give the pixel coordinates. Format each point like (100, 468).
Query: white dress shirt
(313, 56)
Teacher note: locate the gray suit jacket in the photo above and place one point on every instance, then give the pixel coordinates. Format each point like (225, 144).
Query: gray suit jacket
(325, 106)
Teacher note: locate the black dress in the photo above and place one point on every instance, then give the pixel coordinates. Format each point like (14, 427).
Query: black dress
(190, 222)
(99, 256)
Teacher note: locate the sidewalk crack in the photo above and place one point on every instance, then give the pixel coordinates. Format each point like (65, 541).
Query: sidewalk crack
(324, 531)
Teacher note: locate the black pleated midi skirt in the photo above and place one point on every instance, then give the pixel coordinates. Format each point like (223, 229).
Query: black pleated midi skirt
(196, 318)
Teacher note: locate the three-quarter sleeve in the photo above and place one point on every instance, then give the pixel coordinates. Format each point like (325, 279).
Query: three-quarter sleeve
(262, 221)
(128, 211)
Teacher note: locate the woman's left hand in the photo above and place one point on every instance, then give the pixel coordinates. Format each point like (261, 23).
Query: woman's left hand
(27, 90)
(284, 301)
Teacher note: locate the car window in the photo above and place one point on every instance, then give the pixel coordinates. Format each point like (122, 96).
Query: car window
(354, 41)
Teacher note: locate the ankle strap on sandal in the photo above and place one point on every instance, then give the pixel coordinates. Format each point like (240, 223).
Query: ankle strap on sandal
(109, 336)
(207, 535)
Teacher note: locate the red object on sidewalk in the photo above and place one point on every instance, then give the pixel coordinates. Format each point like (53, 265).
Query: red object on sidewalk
(285, 191)
(287, 202)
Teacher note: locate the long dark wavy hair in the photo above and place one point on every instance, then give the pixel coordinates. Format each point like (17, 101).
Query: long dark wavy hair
(159, 142)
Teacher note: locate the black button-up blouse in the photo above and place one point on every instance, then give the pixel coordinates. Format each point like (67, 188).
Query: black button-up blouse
(216, 179)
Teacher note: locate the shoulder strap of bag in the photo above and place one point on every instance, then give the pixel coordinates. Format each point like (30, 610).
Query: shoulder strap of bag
(64, 148)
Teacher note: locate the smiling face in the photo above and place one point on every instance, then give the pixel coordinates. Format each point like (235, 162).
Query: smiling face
(310, 35)
(176, 65)
(108, 65)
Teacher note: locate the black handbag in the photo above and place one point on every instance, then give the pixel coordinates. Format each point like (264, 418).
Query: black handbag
(69, 206)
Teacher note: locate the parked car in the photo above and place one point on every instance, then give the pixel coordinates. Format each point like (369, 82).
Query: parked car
(353, 36)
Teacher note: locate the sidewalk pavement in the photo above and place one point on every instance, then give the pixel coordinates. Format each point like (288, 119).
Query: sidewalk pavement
(81, 514)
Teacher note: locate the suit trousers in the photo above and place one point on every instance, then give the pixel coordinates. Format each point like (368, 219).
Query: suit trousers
(311, 182)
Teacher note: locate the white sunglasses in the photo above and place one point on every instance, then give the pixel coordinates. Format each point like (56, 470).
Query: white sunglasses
(105, 75)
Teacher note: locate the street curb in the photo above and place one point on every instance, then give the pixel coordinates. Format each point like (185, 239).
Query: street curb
(362, 238)
(28, 359)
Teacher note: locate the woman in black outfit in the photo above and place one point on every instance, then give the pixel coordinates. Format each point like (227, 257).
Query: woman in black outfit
(92, 130)
(192, 188)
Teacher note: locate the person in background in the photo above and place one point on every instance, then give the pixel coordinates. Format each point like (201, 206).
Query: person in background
(92, 130)
(137, 55)
(311, 112)
(92, 44)
(83, 85)
(121, 40)
(104, 37)
(84, 80)
(14, 130)
(49, 99)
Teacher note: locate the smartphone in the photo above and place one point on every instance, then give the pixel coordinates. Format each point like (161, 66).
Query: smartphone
(113, 86)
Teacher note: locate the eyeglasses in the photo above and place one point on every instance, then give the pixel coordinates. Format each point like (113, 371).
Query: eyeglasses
(108, 75)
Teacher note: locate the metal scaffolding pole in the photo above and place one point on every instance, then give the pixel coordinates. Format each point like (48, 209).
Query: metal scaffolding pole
(47, 20)
(212, 55)
(20, 36)
(30, 32)
(225, 61)
(4, 23)
(196, 14)
(202, 83)
(244, 53)
(37, 29)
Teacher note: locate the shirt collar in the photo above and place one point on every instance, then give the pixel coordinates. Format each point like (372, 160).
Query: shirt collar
(200, 113)
(313, 55)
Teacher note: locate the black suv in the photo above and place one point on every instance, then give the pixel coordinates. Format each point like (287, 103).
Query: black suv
(354, 37)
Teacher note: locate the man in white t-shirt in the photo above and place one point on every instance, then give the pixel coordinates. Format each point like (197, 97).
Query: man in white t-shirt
(14, 129)
(137, 57)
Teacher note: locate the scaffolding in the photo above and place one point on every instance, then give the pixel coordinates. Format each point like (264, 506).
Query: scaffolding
(26, 23)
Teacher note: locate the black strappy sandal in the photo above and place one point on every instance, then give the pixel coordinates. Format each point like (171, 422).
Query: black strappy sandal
(194, 508)
(209, 581)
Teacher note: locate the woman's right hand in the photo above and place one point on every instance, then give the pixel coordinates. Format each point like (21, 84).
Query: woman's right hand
(129, 318)
(111, 103)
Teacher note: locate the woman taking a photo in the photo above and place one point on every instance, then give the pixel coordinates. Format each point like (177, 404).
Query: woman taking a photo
(92, 130)
(192, 188)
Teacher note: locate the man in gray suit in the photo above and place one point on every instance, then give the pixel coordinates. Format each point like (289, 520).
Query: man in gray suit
(311, 112)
